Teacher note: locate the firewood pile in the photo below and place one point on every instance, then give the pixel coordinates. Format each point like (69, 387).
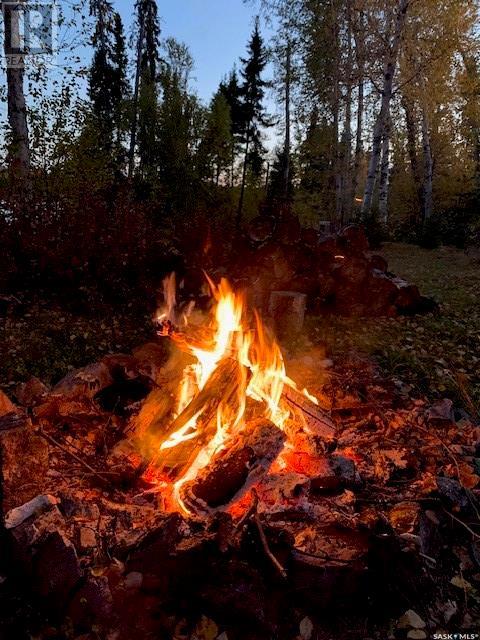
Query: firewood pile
(373, 503)
(337, 273)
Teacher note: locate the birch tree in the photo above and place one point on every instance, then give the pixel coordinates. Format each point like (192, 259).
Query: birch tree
(390, 67)
(19, 150)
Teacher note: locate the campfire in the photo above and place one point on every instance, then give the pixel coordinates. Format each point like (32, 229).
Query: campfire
(212, 473)
(236, 411)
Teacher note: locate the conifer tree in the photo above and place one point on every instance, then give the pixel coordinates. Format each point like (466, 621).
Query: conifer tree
(144, 117)
(254, 114)
(108, 85)
(231, 91)
(102, 72)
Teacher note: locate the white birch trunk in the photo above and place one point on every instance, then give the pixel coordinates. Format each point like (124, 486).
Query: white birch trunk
(384, 177)
(360, 56)
(379, 129)
(19, 152)
(347, 132)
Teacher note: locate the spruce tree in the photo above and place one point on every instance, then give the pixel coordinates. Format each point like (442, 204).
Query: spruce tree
(101, 70)
(231, 91)
(253, 111)
(108, 85)
(120, 88)
(144, 118)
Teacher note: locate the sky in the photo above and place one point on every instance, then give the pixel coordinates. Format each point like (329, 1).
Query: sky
(216, 32)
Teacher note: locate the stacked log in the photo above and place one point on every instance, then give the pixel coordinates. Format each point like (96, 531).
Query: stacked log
(337, 273)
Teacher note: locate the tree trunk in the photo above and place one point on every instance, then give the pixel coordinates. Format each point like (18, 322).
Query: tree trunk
(19, 150)
(347, 132)
(428, 168)
(384, 176)
(287, 147)
(360, 55)
(337, 165)
(242, 186)
(133, 129)
(379, 129)
(412, 150)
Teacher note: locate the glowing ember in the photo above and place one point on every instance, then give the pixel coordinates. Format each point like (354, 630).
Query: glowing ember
(235, 342)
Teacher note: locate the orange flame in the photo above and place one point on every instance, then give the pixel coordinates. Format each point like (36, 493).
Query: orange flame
(253, 347)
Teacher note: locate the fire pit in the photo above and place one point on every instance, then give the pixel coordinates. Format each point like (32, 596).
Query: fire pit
(206, 474)
(236, 413)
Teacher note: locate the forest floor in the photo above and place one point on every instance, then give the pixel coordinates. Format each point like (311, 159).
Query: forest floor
(436, 355)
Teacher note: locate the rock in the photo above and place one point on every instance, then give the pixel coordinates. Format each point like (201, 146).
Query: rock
(6, 405)
(55, 569)
(453, 492)
(87, 539)
(441, 413)
(416, 634)
(31, 393)
(306, 629)
(352, 270)
(34, 507)
(23, 461)
(411, 620)
(133, 580)
(346, 471)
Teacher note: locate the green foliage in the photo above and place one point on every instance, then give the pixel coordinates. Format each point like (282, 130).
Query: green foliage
(456, 226)
(252, 93)
(375, 230)
(276, 184)
(217, 145)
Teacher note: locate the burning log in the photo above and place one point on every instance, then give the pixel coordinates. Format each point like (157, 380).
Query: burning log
(220, 389)
(232, 471)
(317, 421)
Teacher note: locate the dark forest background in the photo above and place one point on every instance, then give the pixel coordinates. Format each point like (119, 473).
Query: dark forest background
(379, 104)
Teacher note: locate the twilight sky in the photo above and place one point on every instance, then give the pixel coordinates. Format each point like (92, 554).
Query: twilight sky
(216, 31)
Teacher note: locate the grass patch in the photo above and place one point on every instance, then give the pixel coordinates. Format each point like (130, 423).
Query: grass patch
(435, 355)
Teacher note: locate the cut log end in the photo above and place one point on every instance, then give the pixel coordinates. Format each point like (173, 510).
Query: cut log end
(232, 471)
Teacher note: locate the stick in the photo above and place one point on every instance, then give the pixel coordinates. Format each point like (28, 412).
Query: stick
(464, 524)
(261, 531)
(60, 446)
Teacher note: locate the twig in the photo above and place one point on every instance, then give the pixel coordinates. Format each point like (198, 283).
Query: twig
(249, 513)
(261, 531)
(464, 524)
(60, 446)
